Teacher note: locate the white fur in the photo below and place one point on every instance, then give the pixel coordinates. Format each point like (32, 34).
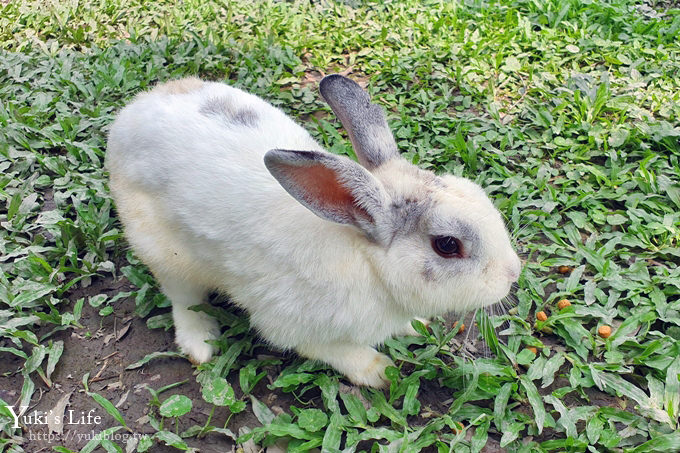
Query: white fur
(202, 211)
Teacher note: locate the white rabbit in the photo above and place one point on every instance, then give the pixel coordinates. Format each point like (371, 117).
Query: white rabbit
(219, 190)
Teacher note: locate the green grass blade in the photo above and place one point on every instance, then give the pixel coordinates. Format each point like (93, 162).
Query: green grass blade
(535, 400)
(672, 392)
(488, 332)
(108, 407)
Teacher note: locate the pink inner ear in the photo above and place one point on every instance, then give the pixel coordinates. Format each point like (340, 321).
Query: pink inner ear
(323, 189)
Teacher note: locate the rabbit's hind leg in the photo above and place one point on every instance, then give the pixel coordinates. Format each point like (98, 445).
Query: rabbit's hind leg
(192, 329)
(162, 247)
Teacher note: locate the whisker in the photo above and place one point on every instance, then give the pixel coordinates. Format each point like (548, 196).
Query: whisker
(523, 227)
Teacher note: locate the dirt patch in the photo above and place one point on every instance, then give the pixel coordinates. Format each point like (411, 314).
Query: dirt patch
(100, 350)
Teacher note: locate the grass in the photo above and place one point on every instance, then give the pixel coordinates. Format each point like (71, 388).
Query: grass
(567, 112)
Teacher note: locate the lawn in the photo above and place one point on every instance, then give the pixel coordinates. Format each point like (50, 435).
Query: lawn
(566, 111)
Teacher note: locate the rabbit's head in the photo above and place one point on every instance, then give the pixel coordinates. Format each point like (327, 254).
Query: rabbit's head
(437, 243)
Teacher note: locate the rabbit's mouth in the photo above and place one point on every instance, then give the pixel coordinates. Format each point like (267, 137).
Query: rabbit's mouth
(495, 290)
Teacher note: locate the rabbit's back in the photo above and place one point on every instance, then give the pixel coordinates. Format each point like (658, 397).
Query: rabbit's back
(188, 130)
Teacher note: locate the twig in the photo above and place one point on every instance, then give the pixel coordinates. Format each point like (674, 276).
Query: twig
(109, 356)
(106, 363)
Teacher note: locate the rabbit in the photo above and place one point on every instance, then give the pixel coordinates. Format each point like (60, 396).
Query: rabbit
(219, 190)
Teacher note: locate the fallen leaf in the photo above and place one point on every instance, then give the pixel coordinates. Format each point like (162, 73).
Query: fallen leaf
(122, 399)
(249, 446)
(55, 417)
(114, 386)
(117, 335)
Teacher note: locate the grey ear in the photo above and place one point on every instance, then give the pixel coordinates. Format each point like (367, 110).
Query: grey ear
(332, 187)
(365, 122)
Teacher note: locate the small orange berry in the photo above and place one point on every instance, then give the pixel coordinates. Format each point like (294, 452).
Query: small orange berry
(462, 327)
(541, 316)
(604, 331)
(458, 427)
(532, 349)
(562, 304)
(564, 269)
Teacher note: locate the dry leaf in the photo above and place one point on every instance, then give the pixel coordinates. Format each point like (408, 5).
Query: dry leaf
(55, 417)
(249, 446)
(122, 399)
(118, 335)
(114, 386)
(131, 445)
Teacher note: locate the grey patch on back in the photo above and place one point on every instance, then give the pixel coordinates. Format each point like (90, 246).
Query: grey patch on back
(246, 117)
(439, 182)
(230, 114)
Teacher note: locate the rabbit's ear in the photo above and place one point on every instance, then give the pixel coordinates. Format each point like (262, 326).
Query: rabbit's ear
(365, 122)
(332, 187)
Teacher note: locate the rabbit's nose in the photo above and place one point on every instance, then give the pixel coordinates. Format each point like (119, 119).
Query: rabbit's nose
(514, 269)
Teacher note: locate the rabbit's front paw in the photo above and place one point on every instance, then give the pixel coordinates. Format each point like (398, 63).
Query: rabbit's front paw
(372, 373)
(411, 331)
(362, 365)
(192, 340)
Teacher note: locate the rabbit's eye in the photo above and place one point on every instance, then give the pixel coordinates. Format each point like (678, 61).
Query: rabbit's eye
(447, 246)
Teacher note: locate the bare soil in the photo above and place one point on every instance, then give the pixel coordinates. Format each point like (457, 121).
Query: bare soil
(100, 350)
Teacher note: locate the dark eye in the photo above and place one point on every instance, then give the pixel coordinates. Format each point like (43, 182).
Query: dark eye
(447, 246)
